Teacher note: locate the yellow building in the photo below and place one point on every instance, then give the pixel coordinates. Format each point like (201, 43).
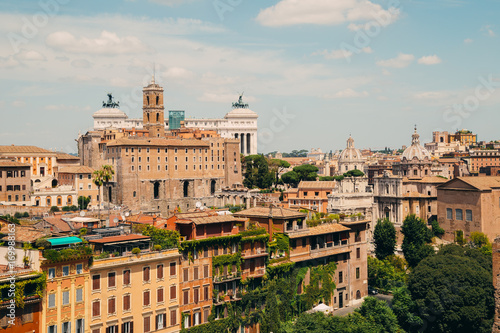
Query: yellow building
(134, 292)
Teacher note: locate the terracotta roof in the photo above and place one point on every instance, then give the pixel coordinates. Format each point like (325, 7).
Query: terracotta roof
(277, 212)
(212, 219)
(482, 183)
(317, 185)
(64, 156)
(431, 179)
(26, 234)
(23, 149)
(57, 222)
(13, 164)
(318, 230)
(146, 141)
(121, 238)
(76, 169)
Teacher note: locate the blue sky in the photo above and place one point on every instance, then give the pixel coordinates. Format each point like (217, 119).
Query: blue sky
(320, 69)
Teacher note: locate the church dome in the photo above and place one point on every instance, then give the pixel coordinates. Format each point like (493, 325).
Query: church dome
(350, 153)
(416, 150)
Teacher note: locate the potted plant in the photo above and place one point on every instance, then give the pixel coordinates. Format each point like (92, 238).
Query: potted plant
(136, 251)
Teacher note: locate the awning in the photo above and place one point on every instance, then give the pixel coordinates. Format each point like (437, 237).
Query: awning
(64, 240)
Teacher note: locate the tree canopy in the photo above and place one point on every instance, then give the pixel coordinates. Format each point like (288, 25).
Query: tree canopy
(354, 173)
(416, 238)
(384, 238)
(257, 172)
(453, 290)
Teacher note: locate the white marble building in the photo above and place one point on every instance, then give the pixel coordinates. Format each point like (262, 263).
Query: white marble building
(351, 158)
(240, 123)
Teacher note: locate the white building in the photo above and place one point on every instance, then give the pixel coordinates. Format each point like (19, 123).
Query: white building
(351, 158)
(240, 123)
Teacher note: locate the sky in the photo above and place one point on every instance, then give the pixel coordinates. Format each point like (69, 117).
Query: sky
(315, 71)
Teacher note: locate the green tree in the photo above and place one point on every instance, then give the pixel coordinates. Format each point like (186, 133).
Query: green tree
(436, 229)
(453, 290)
(354, 173)
(384, 238)
(276, 166)
(416, 238)
(479, 240)
(102, 177)
(83, 202)
(291, 178)
(379, 313)
(386, 275)
(257, 172)
(306, 172)
(406, 310)
(167, 239)
(54, 209)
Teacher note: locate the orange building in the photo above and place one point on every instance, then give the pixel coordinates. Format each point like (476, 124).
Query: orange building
(483, 158)
(80, 178)
(309, 194)
(15, 183)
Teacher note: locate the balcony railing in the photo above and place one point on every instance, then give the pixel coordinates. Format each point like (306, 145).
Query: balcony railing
(228, 277)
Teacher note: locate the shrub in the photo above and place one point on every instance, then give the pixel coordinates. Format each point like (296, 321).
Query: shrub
(54, 209)
(18, 215)
(157, 247)
(136, 250)
(26, 214)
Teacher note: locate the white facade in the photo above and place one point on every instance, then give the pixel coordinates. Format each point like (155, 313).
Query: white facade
(239, 123)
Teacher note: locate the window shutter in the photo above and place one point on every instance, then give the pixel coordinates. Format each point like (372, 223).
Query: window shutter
(173, 292)
(126, 277)
(96, 282)
(159, 271)
(195, 273)
(156, 325)
(111, 280)
(172, 268)
(146, 273)
(196, 291)
(164, 320)
(96, 308)
(146, 298)
(123, 328)
(131, 327)
(107, 329)
(159, 295)
(186, 275)
(146, 324)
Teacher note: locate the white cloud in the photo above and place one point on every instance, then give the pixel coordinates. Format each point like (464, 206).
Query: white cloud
(178, 73)
(107, 43)
(489, 30)
(18, 104)
(30, 55)
(401, 61)
(224, 98)
(468, 41)
(386, 72)
(339, 54)
(432, 95)
(325, 12)
(382, 98)
(349, 93)
(429, 60)
(9, 62)
(81, 63)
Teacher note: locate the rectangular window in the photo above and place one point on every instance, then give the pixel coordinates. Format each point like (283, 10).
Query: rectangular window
(52, 273)
(96, 282)
(161, 320)
(196, 295)
(111, 280)
(79, 295)
(79, 327)
(66, 327)
(358, 253)
(145, 274)
(459, 214)
(147, 324)
(65, 298)
(357, 272)
(205, 271)
(173, 317)
(65, 270)
(159, 295)
(172, 269)
(146, 297)
(185, 274)
(96, 309)
(195, 273)
(128, 327)
(52, 329)
(449, 213)
(159, 271)
(52, 300)
(341, 278)
(126, 302)
(111, 306)
(205, 293)
(173, 292)
(185, 297)
(126, 277)
(79, 268)
(468, 215)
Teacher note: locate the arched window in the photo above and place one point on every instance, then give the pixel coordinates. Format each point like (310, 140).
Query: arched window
(148, 117)
(147, 98)
(358, 294)
(135, 194)
(157, 115)
(212, 187)
(49, 202)
(156, 190)
(54, 183)
(70, 200)
(157, 100)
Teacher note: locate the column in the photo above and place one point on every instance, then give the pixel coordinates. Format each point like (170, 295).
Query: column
(242, 143)
(248, 143)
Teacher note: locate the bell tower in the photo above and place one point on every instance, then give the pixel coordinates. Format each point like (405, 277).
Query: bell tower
(152, 110)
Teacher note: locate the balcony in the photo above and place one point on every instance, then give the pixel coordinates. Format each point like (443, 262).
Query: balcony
(254, 254)
(227, 278)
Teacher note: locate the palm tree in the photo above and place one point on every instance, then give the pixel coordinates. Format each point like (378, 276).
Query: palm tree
(102, 177)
